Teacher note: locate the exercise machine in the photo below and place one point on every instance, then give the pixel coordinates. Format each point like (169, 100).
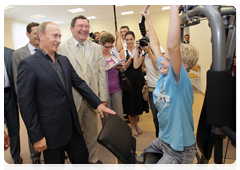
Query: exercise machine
(218, 109)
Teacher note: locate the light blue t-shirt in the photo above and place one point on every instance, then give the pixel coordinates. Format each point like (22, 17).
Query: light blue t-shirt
(174, 103)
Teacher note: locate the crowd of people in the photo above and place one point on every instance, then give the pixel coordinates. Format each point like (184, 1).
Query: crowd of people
(60, 87)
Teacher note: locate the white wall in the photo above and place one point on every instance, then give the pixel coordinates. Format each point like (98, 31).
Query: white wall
(8, 35)
(65, 31)
(19, 31)
(13, 28)
(200, 38)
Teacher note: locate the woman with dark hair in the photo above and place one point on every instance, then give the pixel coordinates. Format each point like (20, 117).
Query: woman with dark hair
(133, 103)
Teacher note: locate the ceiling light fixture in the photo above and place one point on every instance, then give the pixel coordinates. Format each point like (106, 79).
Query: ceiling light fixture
(9, 7)
(58, 22)
(166, 8)
(76, 10)
(120, 5)
(127, 13)
(37, 16)
(91, 17)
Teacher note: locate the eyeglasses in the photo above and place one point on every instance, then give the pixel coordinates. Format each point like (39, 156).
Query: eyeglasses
(82, 26)
(108, 46)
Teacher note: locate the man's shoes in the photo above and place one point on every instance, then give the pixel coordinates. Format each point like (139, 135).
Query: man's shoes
(99, 165)
(18, 160)
(98, 162)
(36, 165)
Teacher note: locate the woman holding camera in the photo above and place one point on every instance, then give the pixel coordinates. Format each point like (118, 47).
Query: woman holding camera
(133, 103)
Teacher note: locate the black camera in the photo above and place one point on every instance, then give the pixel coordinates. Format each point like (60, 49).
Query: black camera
(144, 41)
(93, 37)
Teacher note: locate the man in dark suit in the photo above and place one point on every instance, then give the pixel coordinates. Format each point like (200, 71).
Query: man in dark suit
(19, 55)
(44, 82)
(11, 115)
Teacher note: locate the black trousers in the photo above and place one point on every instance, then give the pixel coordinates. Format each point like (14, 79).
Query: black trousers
(11, 117)
(76, 149)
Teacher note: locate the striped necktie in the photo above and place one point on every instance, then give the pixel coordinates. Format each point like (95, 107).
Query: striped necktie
(83, 62)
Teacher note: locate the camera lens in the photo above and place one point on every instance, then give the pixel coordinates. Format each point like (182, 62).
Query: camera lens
(143, 43)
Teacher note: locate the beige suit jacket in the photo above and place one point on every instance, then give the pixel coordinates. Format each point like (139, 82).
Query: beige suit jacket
(17, 56)
(95, 67)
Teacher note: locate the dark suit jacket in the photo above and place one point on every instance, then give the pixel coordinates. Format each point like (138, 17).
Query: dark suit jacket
(8, 64)
(47, 108)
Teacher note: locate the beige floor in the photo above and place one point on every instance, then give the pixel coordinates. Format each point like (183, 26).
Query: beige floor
(145, 123)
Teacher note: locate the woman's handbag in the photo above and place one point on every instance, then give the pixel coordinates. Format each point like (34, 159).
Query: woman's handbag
(124, 82)
(145, 92)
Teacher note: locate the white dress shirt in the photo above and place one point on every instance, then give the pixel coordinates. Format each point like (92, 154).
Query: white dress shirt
(76, 45)
(31, 48)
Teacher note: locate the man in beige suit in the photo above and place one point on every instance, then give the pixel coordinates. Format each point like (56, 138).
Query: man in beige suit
(19, 55)
(91, 68)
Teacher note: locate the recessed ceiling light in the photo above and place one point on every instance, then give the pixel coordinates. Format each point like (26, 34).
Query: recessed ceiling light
(120, 5)
(166, 8)
(76, 10)
(126, 13)
(58, 22)
(9, 7)
(37, 16)
(91, 17)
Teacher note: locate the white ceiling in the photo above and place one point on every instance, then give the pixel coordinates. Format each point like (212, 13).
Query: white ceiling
(59, 12)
